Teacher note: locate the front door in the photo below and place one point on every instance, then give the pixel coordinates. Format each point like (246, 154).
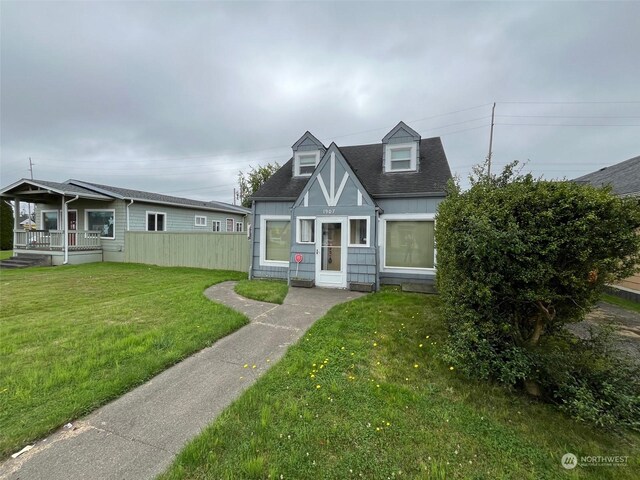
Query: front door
(72, 225)
(331, 253)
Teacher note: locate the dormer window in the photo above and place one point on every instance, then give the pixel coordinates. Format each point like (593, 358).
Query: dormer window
(400, 157)
(306, 163)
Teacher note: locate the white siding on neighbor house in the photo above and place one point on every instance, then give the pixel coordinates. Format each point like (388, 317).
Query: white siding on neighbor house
(178, 219)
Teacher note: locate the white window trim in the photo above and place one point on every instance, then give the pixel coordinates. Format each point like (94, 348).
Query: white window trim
(226, 224)
(241, 224)
(86, 220)
(195, 221)
(397, 146)
(218, 223)
(359, 245)
(58, 215)
(298, 240)
(263, 240)
(297, 162)
(146, 221)
(382, 236)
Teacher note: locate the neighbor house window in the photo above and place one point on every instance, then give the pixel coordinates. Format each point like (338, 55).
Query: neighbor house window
(306, 230)
(239, 226)
(305, 163)
(156, 222)
(50, 220)
(275, 240)
(400, 158)
(102, 221)
(229, 224)
(216, 225)
(409, 243)
(358, 232)
(201, 221)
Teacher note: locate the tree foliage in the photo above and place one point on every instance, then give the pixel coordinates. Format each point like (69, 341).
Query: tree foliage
(251, 181)
(6, 226)
(518, 258)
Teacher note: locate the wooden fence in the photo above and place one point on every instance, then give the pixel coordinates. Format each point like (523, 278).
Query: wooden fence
(225, 251)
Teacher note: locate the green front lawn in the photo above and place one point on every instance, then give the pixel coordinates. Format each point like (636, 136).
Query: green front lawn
(363, 395)
(272, 291)
(4, 254)
(73, 338)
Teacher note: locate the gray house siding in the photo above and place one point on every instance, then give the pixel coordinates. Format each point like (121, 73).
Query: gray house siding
(179, 219)
(407, 205)
(260, 209)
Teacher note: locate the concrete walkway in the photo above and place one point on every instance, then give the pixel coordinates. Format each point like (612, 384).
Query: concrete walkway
(138, 435)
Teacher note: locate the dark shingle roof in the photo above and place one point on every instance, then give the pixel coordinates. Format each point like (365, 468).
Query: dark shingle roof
(623, 177)
(127, 193)
(366, 162)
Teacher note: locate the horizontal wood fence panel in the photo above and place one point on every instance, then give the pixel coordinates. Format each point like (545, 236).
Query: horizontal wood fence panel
(219, 250)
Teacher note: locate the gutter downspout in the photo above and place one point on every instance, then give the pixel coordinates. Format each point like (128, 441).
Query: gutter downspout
(253, 239)
(128, 214)
(65, 240)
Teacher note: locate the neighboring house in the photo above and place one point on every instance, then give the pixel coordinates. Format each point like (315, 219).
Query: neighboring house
(27, 223)
(352, 217)
(86, 222)
(624, 180)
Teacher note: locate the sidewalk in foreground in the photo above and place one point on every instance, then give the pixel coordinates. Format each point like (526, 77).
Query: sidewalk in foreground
(138, 435)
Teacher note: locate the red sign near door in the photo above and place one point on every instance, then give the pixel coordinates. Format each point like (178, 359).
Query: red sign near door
(298, 258)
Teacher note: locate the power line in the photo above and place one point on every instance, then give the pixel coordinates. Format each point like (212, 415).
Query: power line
(569, 125)
(570, 116)
(576, 103)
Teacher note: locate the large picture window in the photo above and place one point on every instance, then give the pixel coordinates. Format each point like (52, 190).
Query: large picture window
(409, 244)
(50, 220)
(275, 240)
(102, 221)
(156, 222)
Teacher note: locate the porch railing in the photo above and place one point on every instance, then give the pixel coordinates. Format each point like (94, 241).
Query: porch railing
(54, 240)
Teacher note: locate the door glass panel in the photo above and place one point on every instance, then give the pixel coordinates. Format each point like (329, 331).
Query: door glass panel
(331, 248)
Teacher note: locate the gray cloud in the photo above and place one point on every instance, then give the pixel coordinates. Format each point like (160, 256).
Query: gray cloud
(177, 97)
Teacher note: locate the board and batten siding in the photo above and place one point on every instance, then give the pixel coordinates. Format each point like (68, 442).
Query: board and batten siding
(266, 208)
(225, 251)
(180, 219)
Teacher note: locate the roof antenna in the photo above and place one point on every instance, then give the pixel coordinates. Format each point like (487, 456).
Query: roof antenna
(31, 167)
(493, 111)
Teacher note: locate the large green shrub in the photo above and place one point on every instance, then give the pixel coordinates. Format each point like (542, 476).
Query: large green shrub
(518, 258)
(6, 225)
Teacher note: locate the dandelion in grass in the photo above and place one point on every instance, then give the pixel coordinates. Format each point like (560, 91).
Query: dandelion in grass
(253, 366)
(375, 344)
(420, 346)
(245, 365)
(318, 387)
(415, 365)
(450, 368)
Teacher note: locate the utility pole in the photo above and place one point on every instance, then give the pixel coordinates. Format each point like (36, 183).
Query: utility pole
(234, 196)
(493, 112)
(29, 204)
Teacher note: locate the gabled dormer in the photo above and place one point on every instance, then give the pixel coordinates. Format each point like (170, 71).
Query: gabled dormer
(307, 153)
(401, 152)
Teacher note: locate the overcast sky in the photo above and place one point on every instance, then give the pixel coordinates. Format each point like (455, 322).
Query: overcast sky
(176, 97)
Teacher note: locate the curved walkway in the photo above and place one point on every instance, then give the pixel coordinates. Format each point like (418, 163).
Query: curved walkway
(138, 435)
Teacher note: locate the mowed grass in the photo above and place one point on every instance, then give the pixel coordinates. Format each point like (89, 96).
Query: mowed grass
(272, 291)
(4, 254)
(73, 338)
(621, 302)
(363, 395)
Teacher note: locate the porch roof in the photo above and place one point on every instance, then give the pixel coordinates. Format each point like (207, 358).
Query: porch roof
(41, 191)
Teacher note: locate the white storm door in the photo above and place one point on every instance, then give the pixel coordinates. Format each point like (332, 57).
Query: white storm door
(331, 252)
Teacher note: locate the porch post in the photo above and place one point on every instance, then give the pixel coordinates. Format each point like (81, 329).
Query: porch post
(16, 220)
(65, 238)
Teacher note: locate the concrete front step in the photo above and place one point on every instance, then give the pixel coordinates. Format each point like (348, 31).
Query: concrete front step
(25, 261)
